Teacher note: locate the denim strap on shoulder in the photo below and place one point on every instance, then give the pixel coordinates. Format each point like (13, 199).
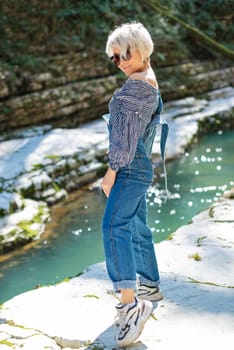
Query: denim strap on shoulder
(106, 117)
(163, 140)
(156, 121)
(151, 130)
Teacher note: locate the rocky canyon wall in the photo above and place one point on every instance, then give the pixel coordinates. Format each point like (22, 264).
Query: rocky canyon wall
(74, 88)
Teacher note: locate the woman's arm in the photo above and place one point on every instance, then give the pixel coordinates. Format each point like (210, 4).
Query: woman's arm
(125, 132)
(130, 115)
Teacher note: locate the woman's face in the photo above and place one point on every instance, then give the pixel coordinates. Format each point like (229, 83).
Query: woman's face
(131, 65)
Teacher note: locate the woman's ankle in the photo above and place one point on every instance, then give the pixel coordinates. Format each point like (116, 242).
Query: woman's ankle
(127, 296)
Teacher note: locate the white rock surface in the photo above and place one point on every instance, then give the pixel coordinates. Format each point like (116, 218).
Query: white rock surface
(197, 311)
(12, 225)
(19, 155)
(198, 306)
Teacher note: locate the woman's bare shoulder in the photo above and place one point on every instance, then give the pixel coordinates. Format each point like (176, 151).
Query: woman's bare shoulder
(147, 76)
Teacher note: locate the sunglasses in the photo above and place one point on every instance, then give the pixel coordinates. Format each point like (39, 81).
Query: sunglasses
(116, 58)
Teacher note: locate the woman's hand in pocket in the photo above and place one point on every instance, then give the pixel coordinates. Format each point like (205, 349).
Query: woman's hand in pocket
(108, 181)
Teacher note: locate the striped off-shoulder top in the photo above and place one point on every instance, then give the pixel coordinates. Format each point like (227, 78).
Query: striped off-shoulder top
(131, 109)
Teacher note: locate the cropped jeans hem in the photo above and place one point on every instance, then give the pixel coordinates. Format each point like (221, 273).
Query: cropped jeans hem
(148, 282)
(117, 286)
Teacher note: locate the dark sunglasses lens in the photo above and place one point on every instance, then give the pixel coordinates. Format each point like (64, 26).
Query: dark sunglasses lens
(128, 55)
(115, 59)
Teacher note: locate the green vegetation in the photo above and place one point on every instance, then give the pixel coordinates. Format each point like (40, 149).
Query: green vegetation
(192, 30)
(37, 167)
(30, 32)
(25, 225)
(7, 343)
(79, 274)
(24, 232)
(191, 280)
(170, 238)
(216, 122)
(101, 171)
(154, 317)
(200, 240)
(211, 211)
(27, 230)
(49, 27)
(56, 186)
(54, 157)
(91, 296)
(28, 192)
(95, 346)
(195, 256)
(213, 17)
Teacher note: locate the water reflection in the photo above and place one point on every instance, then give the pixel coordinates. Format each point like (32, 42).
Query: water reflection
(73, 239)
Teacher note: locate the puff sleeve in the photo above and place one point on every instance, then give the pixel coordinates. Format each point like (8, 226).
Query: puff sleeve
(131, 109)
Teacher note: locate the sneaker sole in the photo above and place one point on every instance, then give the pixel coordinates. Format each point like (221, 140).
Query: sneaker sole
(147, 315)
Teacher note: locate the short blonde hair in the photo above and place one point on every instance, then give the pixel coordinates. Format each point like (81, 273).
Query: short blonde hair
(130, 35)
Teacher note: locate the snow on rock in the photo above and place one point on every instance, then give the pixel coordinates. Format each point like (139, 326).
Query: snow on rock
(18, 156)
(197, 311)
(9, 202)
(25, 154)
(43, 164)
(23, 225)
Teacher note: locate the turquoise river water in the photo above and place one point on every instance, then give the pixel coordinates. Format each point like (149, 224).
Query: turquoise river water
(73, 239)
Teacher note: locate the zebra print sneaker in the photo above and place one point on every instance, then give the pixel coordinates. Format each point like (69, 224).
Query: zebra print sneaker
(130, 321)
(152, 294)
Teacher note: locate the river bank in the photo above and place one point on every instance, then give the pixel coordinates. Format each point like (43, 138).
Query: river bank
(197, 309)
(40, 166)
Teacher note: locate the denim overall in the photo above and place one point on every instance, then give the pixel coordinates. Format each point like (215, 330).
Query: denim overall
(128, 243)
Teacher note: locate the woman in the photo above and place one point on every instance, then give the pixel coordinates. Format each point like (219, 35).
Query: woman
(128, 243)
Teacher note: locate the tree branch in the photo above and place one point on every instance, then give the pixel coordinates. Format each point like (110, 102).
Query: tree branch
(200, 36)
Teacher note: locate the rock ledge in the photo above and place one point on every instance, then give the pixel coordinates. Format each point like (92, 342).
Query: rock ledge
(197, 310)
